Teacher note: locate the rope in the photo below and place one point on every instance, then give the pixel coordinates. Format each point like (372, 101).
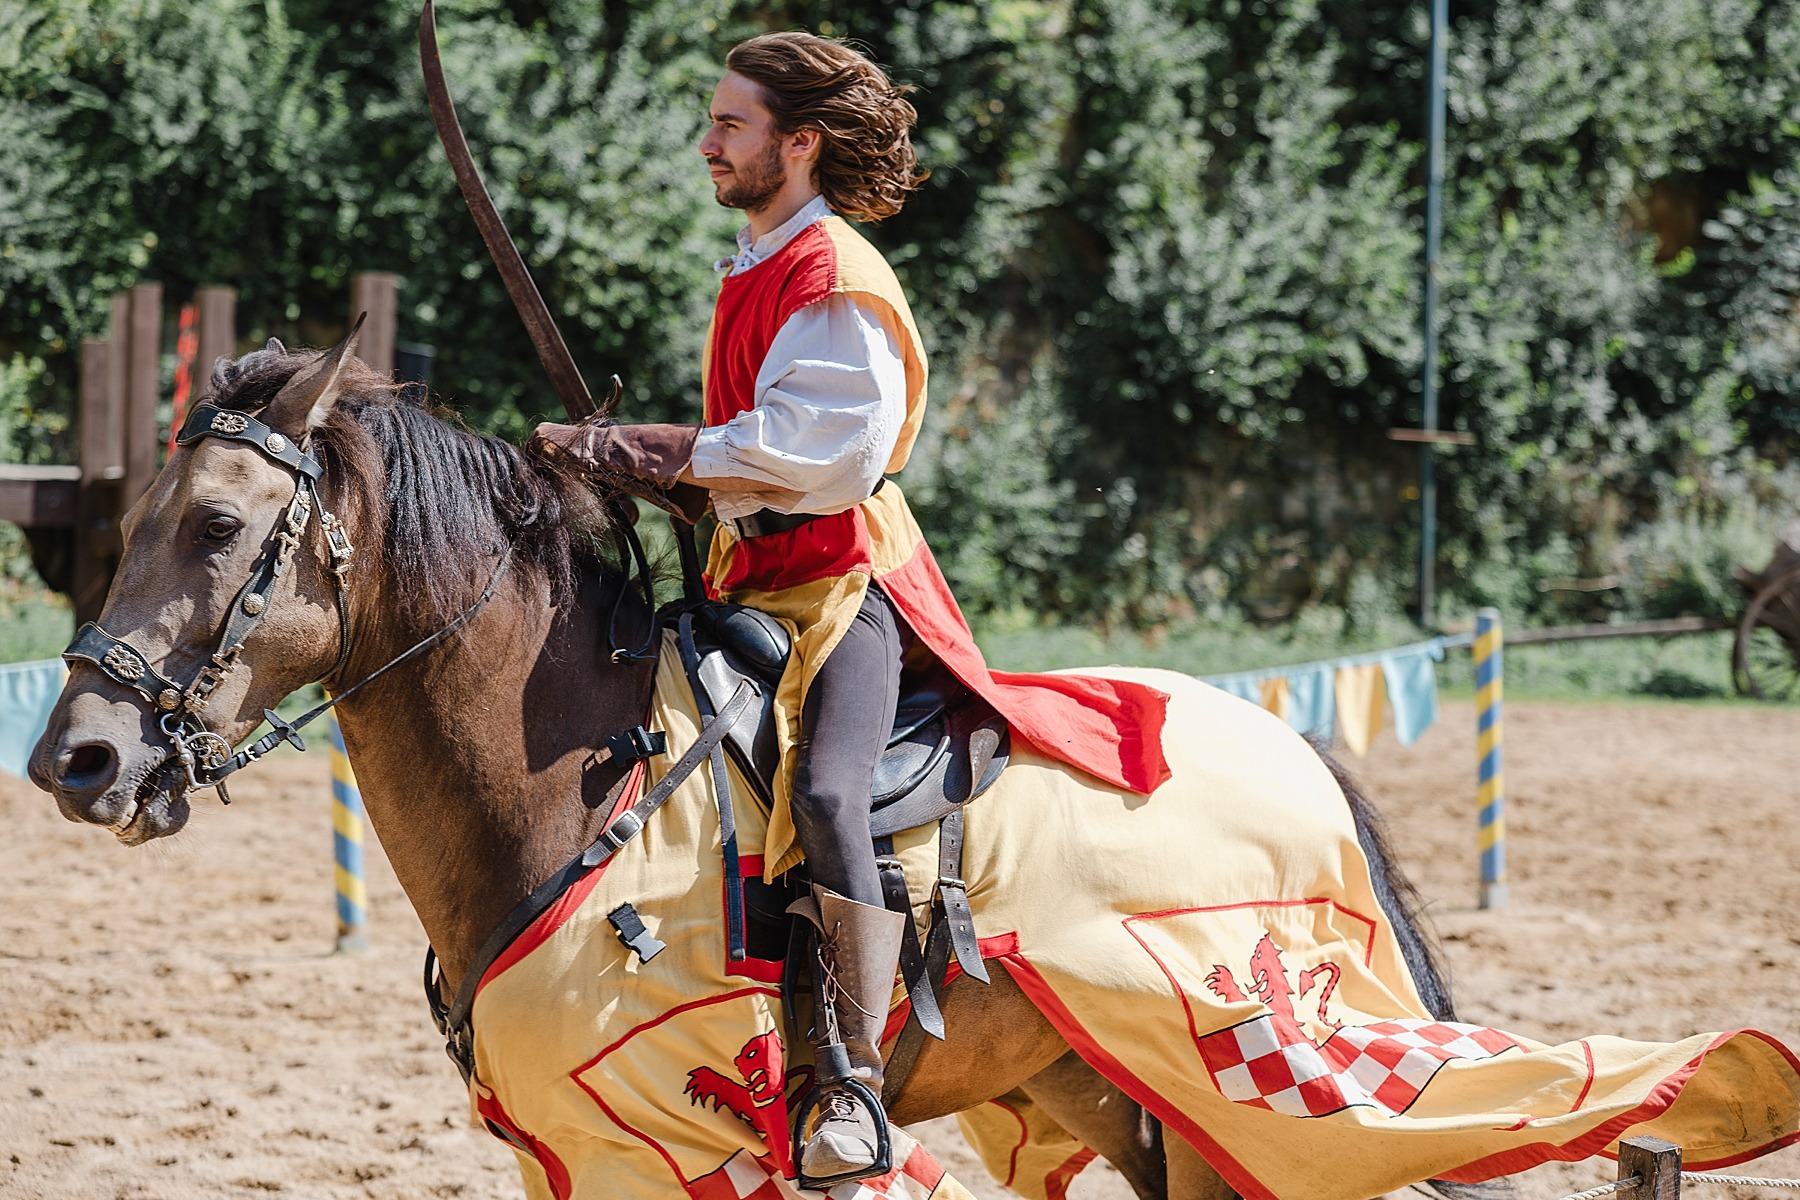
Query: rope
(1624, 1185)
(1607, 1189)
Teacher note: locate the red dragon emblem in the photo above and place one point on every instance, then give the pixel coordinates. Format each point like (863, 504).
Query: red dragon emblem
(758, 1097)
(1269, 983)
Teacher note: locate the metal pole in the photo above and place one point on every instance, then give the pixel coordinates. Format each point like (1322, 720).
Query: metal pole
(1490, 778)
(1434, 228)
(347, 838)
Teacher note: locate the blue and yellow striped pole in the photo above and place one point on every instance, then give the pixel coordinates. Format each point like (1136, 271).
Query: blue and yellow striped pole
(347, 839)
(1490, 790)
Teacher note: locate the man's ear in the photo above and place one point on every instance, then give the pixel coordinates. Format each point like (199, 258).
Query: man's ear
(306, 400)
(804, 144)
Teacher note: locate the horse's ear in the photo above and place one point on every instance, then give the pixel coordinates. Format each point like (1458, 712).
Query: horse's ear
(306, 400)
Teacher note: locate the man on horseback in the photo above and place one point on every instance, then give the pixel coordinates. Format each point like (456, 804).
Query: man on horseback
(814, 386)
(812, 379)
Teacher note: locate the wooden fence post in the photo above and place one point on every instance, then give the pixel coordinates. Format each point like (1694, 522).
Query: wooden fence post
(144, 345)
(118, 371)
(217, 308)
(95, 543)
(375, 292)
(1656, 1162)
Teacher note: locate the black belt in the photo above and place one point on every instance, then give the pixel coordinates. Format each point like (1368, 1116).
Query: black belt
(765, 521)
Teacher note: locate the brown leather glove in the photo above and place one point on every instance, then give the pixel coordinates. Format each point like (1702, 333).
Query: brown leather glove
(655, 454)
(644, 460)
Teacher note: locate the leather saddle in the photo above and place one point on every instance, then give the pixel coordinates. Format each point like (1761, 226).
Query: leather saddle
(947, 746)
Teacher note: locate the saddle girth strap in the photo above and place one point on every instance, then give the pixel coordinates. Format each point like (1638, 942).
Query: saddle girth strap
(941, 942)
(912, 959)
(953, 898)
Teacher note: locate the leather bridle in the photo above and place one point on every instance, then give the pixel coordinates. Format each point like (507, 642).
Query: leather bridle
(204, 756)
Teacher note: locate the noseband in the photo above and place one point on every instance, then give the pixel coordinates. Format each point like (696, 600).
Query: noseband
(203, 755)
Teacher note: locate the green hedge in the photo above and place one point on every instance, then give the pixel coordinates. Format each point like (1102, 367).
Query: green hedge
(1167, 264)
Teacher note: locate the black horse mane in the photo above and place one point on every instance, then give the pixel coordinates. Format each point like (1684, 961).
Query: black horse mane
(432, 504)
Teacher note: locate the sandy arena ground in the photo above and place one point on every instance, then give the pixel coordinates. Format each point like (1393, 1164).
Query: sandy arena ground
(173, 1024)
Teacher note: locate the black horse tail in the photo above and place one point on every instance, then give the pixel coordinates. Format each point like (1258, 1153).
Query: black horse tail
(1399, 899)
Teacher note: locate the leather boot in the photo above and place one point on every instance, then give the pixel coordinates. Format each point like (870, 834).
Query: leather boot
(859, 952)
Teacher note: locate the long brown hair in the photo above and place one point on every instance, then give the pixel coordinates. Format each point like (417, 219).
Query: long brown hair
(866, 164)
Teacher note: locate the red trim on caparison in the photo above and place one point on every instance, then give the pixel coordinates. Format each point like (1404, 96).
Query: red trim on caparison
(567, 904)
(1012, 1161)
(763, 970)
(1056, 1183)
(614, 1117)
(1037, 989)
(1595, 1141)
(490, 1109)
(1587, 1052)
(1505, 1162)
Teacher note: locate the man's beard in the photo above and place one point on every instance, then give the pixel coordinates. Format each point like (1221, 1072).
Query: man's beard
(754, 185)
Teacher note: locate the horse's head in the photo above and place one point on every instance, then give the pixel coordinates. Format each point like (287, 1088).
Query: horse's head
(227, 549)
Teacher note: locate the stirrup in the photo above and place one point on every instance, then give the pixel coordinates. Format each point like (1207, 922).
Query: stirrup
(833, 1070)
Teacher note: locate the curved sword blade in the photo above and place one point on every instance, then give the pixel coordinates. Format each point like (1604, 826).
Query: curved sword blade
(545, 337)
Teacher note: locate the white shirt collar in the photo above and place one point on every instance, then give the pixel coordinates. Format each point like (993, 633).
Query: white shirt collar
(754, 250)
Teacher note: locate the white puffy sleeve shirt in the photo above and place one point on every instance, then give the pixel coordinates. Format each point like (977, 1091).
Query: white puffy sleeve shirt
(830, 404)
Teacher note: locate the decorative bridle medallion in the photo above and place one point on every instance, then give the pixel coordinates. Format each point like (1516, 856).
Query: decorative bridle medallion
(254, 603)
(123, 663)
(229, 422)
(276, 443)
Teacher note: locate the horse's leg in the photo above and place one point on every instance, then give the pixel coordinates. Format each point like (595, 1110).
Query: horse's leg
(1190, 1178)
(995, 1039)
(1107, 1121)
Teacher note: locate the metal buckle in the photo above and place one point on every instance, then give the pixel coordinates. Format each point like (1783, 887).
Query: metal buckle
(625, 826)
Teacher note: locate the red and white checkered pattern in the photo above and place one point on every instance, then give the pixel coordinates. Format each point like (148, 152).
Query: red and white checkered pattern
(747, 1177)
(1269, 1062)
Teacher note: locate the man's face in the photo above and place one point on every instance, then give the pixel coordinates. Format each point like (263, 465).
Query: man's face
(742, 147)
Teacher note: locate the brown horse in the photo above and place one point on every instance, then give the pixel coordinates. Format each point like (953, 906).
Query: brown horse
(475, 758)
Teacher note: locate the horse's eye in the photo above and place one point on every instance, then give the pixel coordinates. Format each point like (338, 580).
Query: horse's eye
(220, 529)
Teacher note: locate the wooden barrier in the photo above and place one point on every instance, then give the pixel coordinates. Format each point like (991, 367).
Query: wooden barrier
(95, 542)
(218, 332)
(375, 293)
(71, 513)
(143, 353)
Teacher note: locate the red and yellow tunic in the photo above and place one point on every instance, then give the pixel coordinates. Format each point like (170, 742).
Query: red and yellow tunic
(814, 577)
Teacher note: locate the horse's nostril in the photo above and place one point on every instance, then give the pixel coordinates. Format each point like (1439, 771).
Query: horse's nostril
(87, 765)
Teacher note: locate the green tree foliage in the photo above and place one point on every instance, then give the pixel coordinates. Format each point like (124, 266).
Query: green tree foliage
(1167, 263)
